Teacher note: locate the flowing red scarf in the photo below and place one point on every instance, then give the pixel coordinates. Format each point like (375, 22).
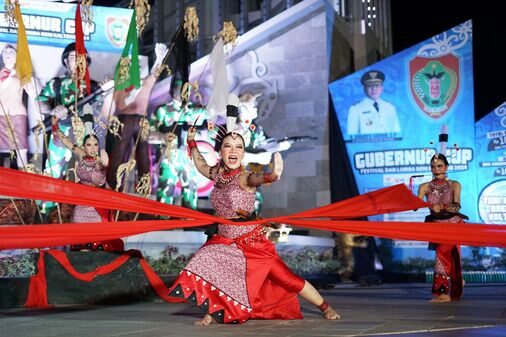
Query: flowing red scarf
(37, 290)
(336, 217)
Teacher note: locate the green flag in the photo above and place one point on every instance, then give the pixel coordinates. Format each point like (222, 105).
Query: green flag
(127, 72)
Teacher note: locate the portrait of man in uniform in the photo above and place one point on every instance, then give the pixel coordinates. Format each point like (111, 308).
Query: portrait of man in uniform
(373, 115)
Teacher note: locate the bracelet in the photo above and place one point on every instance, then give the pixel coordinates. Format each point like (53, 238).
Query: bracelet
(192, 144)
(456, 204)
(324, 306)
(268, 178)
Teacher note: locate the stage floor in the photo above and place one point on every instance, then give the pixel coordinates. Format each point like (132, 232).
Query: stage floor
(386, 310)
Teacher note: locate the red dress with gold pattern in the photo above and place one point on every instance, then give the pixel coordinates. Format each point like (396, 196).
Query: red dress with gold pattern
(91, 174)
(447, 267)
(237, 274)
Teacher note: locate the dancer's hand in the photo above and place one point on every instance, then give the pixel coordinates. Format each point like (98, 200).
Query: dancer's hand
(436, 208)
(192, 131)
(104, 158)
(453, 208)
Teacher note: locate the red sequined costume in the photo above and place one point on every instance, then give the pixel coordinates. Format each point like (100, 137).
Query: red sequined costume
(89, 174)
(237, 274)
(447, 267)
(92, 174)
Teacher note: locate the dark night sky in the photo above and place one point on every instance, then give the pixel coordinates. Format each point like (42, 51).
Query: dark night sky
(416, 21)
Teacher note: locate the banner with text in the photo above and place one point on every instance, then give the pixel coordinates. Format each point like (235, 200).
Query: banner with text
(391, 114)
(53, 24)
(491, 171)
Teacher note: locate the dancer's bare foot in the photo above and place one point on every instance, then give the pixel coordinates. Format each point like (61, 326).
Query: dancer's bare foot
(206, 320)
(331, 314)
(441, 299)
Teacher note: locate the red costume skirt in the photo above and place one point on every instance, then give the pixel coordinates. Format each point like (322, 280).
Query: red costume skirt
(447, 267)
(235, 280)
(447, 272)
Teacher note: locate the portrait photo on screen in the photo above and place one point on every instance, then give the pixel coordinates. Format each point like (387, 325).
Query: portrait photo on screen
(373, 118)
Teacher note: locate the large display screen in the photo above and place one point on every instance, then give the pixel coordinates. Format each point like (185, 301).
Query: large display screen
(391, 114)
(491, 171)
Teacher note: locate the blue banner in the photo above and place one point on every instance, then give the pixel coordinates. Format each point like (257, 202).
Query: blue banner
(391, 113)
(491, 172)
(53, 24)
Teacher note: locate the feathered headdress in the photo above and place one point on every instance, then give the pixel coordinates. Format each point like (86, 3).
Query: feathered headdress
(443, 146)
(443, 140)
(232, 125)
(88, 120)
(232, 113)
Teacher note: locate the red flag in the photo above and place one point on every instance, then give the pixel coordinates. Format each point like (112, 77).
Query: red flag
(81, 57)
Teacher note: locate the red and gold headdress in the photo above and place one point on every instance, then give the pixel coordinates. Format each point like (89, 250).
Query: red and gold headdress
(232, 126)
(443, 148)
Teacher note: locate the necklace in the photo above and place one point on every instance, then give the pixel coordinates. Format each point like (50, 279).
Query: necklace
(225, 177)
(89, 162)
(438, 185)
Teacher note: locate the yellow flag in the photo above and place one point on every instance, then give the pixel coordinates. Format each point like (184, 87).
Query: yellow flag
(23, 59)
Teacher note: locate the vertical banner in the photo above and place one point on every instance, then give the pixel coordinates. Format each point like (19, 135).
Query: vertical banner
(391, 113)
(491, 171)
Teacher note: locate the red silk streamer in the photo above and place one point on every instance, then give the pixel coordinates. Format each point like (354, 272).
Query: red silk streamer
(157, 284)
(334, 217)
(32, 186)
(37, 290)
(39, 236)
(81, 50)
(20, 184)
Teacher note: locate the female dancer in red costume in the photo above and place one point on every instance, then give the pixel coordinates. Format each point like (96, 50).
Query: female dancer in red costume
(443, 195)
(237, 274)
(91, 170)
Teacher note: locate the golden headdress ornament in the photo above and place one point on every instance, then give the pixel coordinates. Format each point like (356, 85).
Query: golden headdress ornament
(86, 11)
(9, 14)
(143, 9)
(228, 33)
(191, 24)
(79, 73)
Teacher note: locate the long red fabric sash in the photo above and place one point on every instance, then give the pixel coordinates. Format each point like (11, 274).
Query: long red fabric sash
(334, 217)
(37, 290)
